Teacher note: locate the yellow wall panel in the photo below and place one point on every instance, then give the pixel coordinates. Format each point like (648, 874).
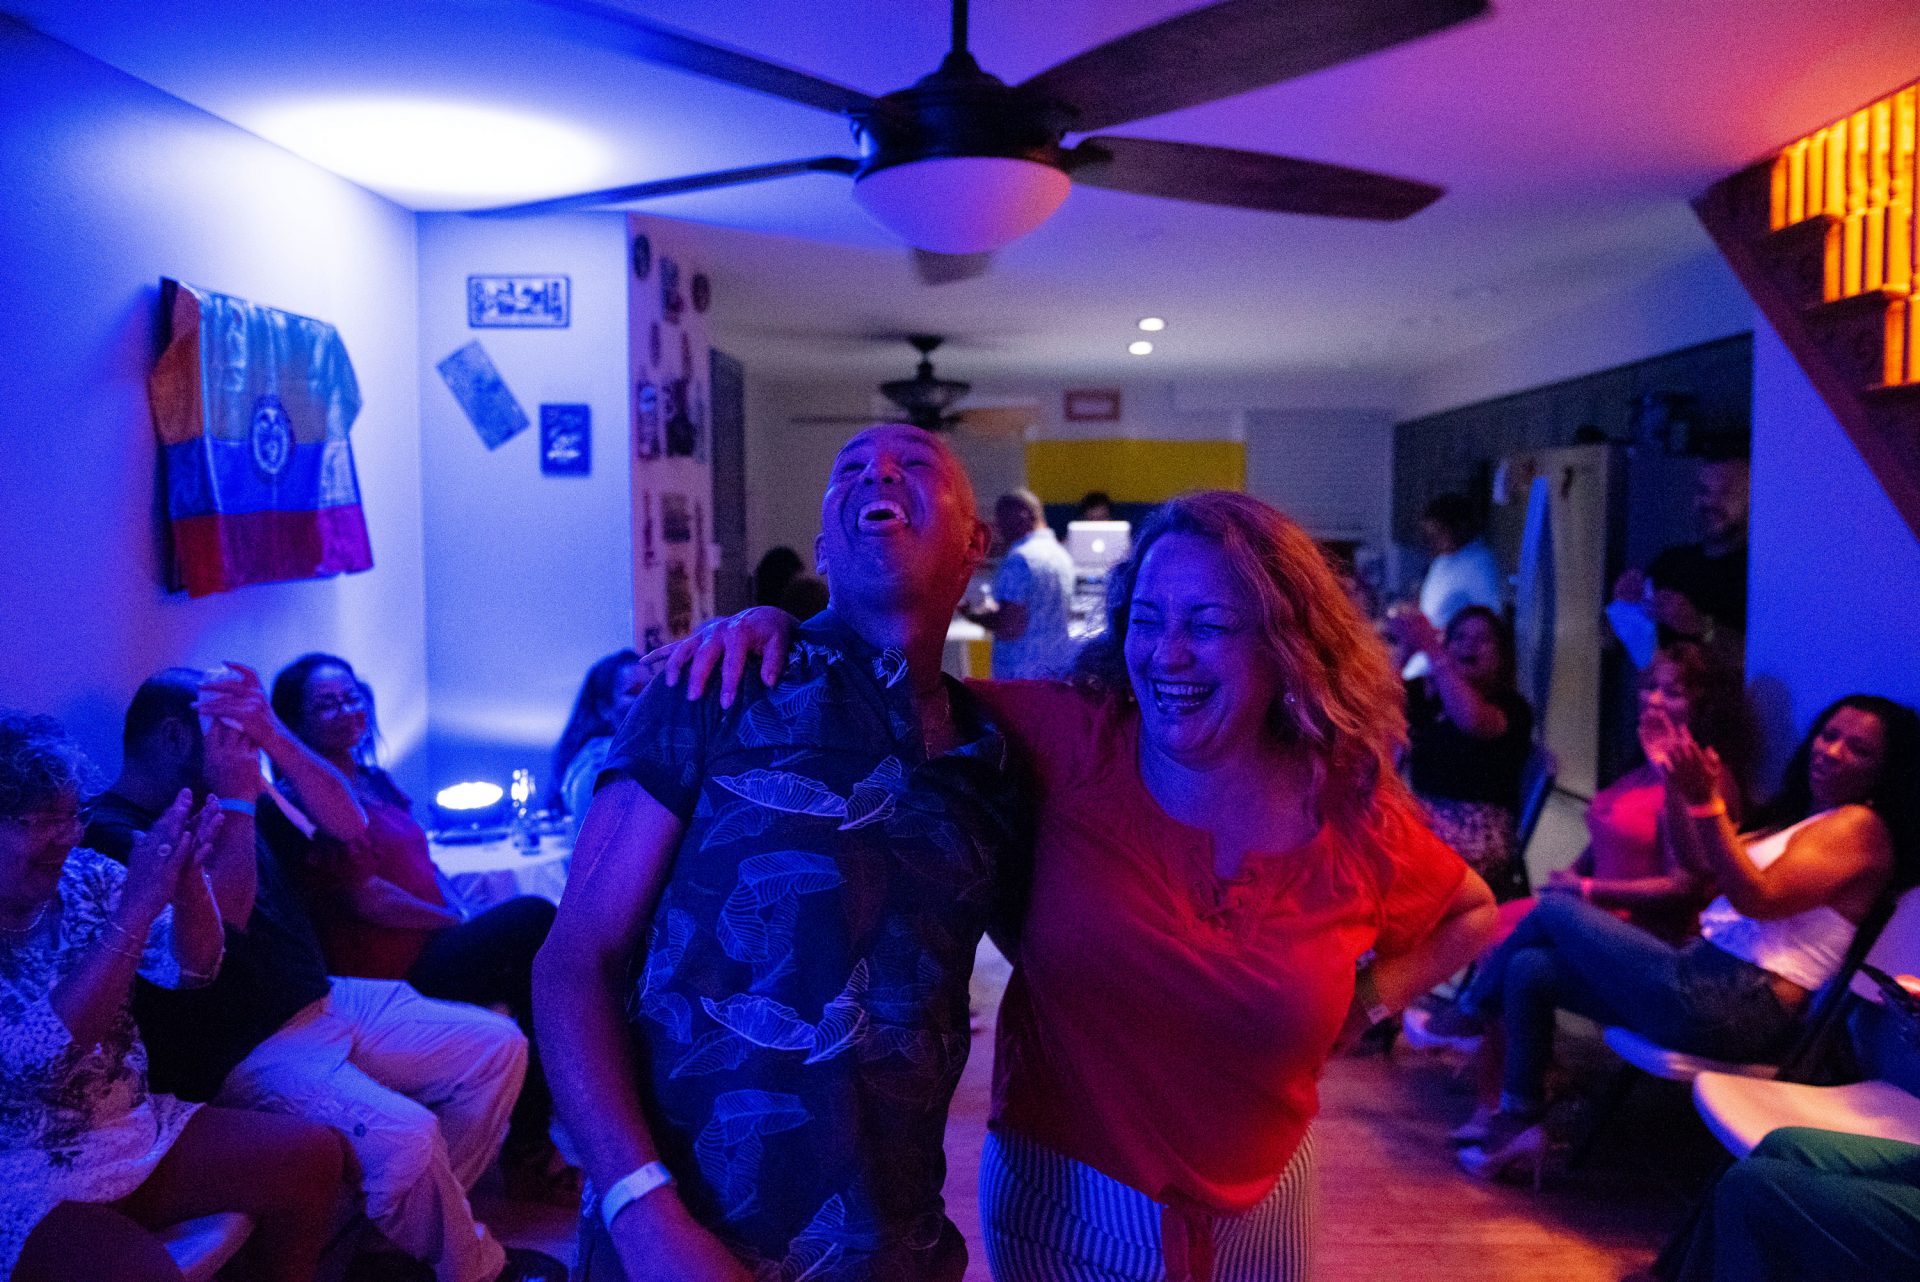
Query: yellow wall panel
(1132, 470)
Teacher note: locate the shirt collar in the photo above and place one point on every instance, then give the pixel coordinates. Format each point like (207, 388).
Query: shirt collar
(886, 666)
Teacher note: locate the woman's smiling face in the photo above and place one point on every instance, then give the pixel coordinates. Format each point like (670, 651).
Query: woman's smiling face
(33, 849)
(1195, 656)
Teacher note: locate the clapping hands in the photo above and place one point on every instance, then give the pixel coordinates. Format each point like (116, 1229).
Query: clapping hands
(162, 857)
(240, 722)
(1409, 628)
(1691, 770)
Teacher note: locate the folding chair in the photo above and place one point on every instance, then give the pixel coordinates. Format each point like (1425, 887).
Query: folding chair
(1741, 1111)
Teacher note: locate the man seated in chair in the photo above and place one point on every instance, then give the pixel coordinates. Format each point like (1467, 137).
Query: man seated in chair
(420, 1089)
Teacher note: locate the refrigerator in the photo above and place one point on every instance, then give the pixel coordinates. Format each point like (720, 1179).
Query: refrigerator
(1562, 578)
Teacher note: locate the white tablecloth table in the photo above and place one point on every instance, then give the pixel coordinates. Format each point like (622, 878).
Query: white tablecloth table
(482, 874)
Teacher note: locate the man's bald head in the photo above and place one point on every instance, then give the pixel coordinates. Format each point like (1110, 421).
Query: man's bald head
(897, 520)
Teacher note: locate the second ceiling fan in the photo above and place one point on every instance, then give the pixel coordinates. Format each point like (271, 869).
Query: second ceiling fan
(960, 163)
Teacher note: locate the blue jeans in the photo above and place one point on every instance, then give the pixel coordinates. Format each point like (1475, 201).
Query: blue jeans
(1568, 955)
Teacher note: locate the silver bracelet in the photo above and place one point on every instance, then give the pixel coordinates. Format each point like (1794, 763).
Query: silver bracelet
(139, 944)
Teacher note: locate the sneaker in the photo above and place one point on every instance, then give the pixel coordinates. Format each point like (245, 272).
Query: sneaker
(1440, 1030)
(524, 1265)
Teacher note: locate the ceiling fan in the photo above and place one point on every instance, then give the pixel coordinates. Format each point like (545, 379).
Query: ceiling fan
(961, 163)
(926, 400)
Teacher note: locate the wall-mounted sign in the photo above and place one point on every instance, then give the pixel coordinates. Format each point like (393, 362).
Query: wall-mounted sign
(649, 440)
(1091, 404)
(676, 518)
(672, 301)
(484, 395)
(566, 440)
(519, 302)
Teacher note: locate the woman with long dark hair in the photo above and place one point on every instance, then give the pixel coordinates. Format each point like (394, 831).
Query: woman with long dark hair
(1821, 858)
(609, 690)
(381, 912)
(1469, 731)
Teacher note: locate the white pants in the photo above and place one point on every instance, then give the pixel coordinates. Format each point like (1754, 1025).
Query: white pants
(419, 1089)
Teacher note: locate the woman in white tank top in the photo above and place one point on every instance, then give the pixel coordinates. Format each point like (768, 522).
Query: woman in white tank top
(1793, 893)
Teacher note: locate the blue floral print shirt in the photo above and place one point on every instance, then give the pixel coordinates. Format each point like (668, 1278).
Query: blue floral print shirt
(799, 1009)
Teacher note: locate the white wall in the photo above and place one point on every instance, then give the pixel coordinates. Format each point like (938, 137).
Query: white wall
(1835, 578)
(110, 185)
(1695, 301)
(529, 576)
(1330, 470)
(1301, 436)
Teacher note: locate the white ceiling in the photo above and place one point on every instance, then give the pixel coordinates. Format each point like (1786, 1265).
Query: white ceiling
(1569, 132)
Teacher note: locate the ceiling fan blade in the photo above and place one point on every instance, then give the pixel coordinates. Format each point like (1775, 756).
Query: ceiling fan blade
(621, 28)
(678, 186)
(835, 420)
(1246, 179)
(1230, 47)
(945, 269)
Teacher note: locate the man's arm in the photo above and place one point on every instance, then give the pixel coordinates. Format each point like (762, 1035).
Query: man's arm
(325, 794)
(1007, 620)
(620, 865)
(233, 774)
(1012, 586)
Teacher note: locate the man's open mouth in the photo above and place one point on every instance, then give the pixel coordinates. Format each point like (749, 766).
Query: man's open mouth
(883, 515)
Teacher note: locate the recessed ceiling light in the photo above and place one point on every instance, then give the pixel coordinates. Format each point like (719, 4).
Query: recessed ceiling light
(1140, 347)
(1152, 324)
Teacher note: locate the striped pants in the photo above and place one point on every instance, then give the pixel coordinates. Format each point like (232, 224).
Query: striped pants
(1048, 1218)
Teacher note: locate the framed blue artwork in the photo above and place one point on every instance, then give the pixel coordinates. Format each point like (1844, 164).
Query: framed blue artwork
(566, 440)
(519, 302)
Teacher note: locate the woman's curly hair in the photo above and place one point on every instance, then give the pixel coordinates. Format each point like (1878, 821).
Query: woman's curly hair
(40, 764)
(1342, 703)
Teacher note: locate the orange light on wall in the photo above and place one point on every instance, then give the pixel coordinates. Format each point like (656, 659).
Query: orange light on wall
(1900, 162)
(1861, 176)
(1824, 233)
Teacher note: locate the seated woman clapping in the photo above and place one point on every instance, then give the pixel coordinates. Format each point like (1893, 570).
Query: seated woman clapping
(1629, 866)
(1793, 892)
(91, 1161)
(1469, 730)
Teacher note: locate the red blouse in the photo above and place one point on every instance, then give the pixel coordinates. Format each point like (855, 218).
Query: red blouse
(1164, 1025)
(394, 847)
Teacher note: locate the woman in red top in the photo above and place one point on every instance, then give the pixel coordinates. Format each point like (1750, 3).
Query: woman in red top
(1229, 880)
(380, 912)
(1627, 867)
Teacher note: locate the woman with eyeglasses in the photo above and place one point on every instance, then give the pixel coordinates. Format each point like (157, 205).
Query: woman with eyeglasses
(381, 912)
(93, 1163)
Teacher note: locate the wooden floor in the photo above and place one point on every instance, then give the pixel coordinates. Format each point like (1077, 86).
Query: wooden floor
(1394, 1205)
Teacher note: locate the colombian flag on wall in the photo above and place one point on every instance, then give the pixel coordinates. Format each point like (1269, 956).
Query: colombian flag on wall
(252, 407)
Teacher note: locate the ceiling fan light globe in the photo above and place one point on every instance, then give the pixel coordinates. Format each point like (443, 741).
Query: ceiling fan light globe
(962, 204)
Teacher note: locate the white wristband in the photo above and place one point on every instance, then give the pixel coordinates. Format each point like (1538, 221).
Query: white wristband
(631, 1188)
